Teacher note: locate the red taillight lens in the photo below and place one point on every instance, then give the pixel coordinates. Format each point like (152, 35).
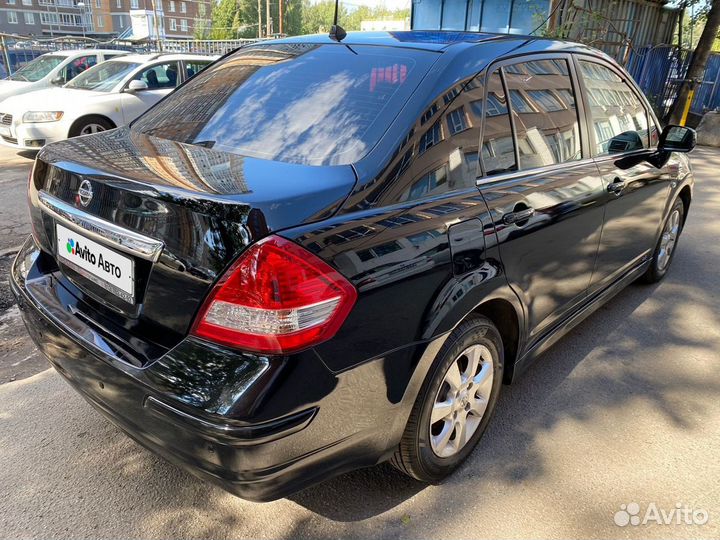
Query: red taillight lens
(277, 298)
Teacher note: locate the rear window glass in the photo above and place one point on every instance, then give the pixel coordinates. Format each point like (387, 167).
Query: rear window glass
(299, 103)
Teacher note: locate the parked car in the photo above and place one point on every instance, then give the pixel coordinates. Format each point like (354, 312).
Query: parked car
(196, 275)
(52, 70)
(108, 95)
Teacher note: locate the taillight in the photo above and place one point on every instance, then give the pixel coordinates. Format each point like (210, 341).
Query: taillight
(277, 298)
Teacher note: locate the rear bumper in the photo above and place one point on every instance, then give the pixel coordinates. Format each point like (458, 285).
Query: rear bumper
(256, 460)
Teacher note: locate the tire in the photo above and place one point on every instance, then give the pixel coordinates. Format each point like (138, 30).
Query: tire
(90, 125)
(421, 453)
(667, 244)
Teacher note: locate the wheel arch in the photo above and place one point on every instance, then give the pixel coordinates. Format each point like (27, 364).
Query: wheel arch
(84, 118)
(506, 319)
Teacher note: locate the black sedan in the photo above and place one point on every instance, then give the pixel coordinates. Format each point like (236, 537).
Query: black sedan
(316, 256)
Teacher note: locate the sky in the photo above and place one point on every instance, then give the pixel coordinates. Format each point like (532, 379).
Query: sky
(390, 4)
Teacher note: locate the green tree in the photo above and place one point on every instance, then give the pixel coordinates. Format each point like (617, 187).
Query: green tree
(224, 18)
(317, 18)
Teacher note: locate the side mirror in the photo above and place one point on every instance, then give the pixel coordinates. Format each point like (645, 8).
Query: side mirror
(58, 81)
(136, 86)
(677, 139)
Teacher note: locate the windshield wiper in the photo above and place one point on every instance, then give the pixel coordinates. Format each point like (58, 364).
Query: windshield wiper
(16, 77)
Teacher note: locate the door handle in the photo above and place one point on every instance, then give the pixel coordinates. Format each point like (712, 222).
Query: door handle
(618, 184)
(520, 215)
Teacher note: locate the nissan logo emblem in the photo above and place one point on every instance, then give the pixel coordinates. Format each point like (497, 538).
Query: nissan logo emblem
(85, 193)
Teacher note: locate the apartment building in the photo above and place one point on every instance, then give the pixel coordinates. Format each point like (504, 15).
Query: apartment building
(176, 18)
(103, 18)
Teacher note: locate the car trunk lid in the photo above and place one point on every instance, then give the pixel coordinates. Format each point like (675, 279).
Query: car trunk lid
(175, 215)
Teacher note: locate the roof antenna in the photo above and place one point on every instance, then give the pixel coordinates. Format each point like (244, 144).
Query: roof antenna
(337, 32)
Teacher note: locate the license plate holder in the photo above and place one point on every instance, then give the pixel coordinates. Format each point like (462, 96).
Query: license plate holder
(103, 266)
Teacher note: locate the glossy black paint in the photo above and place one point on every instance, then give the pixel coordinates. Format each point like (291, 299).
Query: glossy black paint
(424, 236)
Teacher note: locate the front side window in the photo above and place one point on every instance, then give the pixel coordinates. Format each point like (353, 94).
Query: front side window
(546, 127)
(619, 120)
(498, 149)
(159, 76)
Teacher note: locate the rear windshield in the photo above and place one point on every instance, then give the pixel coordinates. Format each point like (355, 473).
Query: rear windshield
(299, 103)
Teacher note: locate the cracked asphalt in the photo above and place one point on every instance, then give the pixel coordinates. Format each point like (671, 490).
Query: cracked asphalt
(623, 410)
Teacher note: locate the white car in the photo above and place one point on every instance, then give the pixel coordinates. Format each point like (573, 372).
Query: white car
(106, 96)
(53, 69)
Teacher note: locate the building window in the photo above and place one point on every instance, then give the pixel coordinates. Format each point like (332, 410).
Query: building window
(172, 6)
(431, 137)
(49, 18)
(12, 17)
(447, 98)
(11, 2)
(457, 121)
(118, 4)
(100, 22)
(429, 184)
(27, 2)
(503, 16)
(201, 9)
(98, 4)
(545, 100)
(183, 7)
(519, 103)
(134, 4)
(173, 24)
(183, 25)
(427, 115)
(29, 17)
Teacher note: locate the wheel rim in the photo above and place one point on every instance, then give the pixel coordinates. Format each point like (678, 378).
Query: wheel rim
(461, 400)
(668, 239)
(92, 128)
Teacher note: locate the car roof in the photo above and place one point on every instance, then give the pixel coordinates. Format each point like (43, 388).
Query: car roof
(438, 40)
(143, 58)
(73, 52)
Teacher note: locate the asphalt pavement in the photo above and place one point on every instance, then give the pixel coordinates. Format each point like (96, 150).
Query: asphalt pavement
(613, 433)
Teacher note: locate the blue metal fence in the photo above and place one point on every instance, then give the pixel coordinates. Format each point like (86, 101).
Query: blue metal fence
(660, 70)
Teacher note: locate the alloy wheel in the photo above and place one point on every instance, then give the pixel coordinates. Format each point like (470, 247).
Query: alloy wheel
(668, 239)
(91, 128)
(461, 400)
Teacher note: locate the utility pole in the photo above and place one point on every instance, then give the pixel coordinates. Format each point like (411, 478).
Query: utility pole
(259, 19)
(158, 42)
(268, 30)
(280, 16)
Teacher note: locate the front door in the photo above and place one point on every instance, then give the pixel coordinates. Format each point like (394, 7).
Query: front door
(636, 191)
(161, 79)
(545, 195)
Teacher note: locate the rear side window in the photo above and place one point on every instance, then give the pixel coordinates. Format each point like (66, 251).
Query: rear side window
(543, 107)
(619, 121)
(498, 150)
(300, 103)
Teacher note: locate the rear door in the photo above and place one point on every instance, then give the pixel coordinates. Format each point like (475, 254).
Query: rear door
(161, 79)
(541, 186)
(620, 128)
